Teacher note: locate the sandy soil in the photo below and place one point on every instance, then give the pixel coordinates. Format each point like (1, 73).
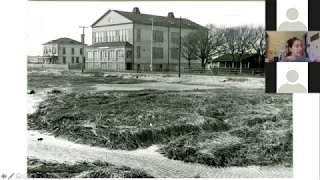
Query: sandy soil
(63, 151)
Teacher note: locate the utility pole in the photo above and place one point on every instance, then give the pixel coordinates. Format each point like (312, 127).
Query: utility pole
(83, 51)
(179, 44)
(51, 53)
(151, 43)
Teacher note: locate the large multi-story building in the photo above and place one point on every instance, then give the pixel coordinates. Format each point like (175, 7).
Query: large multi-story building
(122, 41)
(63, 51)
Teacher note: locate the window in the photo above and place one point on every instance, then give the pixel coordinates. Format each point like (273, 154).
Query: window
(102, 38)
(138, 35)
(110, 19)
(72, 50)
(157, 36)
(103, 55)
(93, 37)
(90, 54)
(96, 37)
(121, 35)
(105, 36)
(110, 55)
(114, 36)
(157, 53)
(97, 55)
(175, 53)
(124, 37)
(84, 59)
(72, 60)
(129, 54)
(63, 50)
(138, 51)
(119, 54)
(80, 51)
(174, 37)
(54, 51)
(64, 60)
(77, 59)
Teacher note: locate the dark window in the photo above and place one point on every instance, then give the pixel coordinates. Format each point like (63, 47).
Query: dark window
(138, 35)
(72, 50)
(63, 50)
(77, 59)
(175, 53)
(157, 53)
(64, 60)
(129, 54)
(138, 51)
(157, 36)
(72, 60)
(80, 50)
(174, 37)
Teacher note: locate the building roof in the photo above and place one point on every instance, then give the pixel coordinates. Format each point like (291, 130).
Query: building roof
(64, 40)
(228, 57)
(158, 20)
(111, 44)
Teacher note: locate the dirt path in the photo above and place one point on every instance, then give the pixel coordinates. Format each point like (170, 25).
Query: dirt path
(63, 151)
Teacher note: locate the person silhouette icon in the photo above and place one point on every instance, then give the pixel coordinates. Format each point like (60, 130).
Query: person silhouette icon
(292, 86)
(292, 15)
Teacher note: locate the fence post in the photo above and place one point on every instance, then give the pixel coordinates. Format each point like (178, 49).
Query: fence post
(252, 71)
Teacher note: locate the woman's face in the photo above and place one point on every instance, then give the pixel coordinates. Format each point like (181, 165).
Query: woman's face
(296, 48)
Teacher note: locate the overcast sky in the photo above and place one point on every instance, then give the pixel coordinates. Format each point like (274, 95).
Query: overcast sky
(52, 20)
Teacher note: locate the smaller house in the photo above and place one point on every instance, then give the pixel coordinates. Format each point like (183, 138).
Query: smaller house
(226, 61)
(35, 59)
(63, 51)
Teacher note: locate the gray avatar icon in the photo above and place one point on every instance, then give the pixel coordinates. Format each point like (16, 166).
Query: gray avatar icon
(292, 87)
(292, 14)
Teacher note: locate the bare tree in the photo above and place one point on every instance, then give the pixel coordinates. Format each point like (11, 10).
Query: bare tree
(239, 41)
(258, 46)
(203, 44)
(187, 49)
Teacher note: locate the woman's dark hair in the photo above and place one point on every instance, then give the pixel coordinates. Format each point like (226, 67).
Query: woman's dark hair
(290, 43)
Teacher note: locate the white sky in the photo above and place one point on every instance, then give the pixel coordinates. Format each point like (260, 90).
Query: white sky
(52, 20)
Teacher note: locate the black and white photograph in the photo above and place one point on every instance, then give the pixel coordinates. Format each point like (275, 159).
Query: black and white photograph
(152, 90)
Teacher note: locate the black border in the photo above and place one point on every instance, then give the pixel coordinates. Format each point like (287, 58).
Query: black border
(271, 15)
(313, 15)
(271, 77)
(314, 77)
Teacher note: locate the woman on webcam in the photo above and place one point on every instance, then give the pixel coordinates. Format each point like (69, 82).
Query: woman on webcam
(295, 52)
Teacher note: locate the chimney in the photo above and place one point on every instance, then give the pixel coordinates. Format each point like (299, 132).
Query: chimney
(170, 15)
(136, 10)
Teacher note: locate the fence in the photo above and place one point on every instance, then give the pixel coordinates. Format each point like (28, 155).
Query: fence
(246, 71)
(57, 66)
(183, 70)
